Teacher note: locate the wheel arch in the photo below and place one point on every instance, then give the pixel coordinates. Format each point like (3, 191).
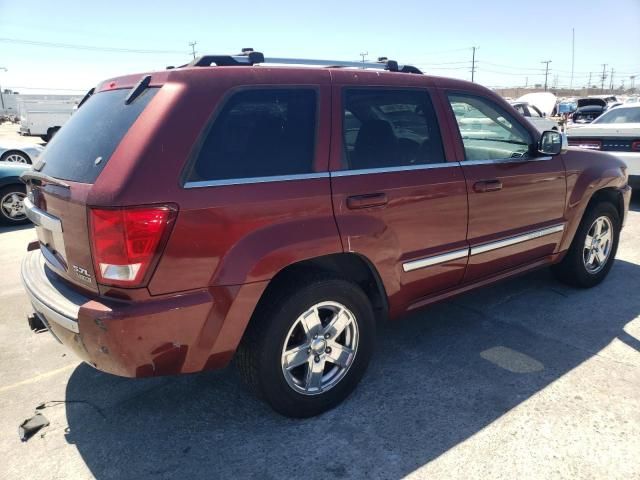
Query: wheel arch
(349, 266)
(15, 150)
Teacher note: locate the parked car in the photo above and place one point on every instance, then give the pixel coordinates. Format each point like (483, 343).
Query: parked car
(12, 194)
(19, 153)
(588, 109)
(616, 131)
(535, 116)
(234, 207)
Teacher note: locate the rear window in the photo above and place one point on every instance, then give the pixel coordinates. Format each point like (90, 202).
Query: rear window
(82, 148)
(259, 133)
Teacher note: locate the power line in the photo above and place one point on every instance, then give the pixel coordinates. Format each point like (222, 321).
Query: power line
(87, 47)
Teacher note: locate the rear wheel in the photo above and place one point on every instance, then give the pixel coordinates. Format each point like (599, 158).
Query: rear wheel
(591, 254)
(12, 205)
(308, 347)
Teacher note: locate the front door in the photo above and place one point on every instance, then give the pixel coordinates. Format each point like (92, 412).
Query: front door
(397, 200)
(516, 197)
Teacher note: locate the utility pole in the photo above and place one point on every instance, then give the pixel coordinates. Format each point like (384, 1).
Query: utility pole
(473, 63)
(364, 57)
(611, 86)
(589, 83)
(573, 55)
(193, 48)
(546, 73)
(632, 79)
(604, 76)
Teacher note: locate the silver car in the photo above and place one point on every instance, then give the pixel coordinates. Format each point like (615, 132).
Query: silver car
(17, 153)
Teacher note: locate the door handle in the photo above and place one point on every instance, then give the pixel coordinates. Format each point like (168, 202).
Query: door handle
(367, 201)
(487, 186)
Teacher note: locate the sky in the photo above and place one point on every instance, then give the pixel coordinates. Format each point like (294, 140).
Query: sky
(99, 40)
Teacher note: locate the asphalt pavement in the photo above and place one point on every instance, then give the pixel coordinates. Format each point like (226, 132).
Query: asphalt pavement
(528, 379)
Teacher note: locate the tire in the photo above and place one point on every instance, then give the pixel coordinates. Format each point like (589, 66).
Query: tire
(15, 156)
(575, 268)
(8, 201)
(278, 326)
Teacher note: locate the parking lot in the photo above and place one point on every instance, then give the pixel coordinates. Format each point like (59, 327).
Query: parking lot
(524, 379)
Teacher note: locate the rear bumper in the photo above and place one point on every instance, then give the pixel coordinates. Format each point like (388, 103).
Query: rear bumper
(181, 333)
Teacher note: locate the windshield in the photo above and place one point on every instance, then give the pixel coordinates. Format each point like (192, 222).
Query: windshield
(620, 115)
(82, 148)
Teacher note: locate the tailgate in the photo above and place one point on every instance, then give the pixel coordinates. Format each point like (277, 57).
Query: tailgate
(60, 216)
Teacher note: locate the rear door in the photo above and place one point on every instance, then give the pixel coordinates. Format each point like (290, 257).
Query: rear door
(397, 198)
(66, 171)
(516, 197)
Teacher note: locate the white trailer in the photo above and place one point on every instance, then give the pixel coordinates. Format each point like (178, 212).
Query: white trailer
(43, 118)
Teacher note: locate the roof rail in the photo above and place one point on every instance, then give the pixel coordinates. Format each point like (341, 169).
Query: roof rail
(249, 57)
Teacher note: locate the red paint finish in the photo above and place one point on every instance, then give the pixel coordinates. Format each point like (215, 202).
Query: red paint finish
(228, 242)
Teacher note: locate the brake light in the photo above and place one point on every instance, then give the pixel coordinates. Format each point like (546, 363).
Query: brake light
(635, 146)
(127, 241)
(585, 143)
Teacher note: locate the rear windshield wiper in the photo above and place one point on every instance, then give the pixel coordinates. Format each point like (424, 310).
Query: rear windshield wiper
(86, 97)
(30, 175)
(142, 85)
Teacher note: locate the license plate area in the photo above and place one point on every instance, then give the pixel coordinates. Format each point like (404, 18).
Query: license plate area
(49, 231)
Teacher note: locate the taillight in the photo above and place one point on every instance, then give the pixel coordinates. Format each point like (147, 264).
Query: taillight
(585, 143)
(635, 146)
(127, 241)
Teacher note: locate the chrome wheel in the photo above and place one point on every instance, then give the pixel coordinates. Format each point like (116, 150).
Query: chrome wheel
(12, 206)
(16, 157)
(597, 245)
(319, 348)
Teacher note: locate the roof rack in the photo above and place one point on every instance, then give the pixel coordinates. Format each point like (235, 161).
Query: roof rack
(249, 57)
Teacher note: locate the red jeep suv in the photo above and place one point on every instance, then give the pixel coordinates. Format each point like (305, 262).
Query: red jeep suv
(237, 206)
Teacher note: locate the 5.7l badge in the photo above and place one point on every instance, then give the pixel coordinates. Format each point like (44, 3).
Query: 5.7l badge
(82, 274)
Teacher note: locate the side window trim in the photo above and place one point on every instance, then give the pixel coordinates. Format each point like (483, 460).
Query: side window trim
(222, 103)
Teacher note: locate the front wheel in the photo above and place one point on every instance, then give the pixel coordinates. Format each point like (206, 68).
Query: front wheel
(308, 347)
(592, 252)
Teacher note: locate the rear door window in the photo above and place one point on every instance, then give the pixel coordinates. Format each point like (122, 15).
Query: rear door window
(385, 128)
(259, 133)
(83, 146)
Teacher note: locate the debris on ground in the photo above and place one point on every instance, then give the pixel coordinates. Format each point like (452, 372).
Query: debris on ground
(31, 426)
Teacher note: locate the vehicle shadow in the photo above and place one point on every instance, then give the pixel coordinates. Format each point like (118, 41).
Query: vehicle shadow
(439, 377)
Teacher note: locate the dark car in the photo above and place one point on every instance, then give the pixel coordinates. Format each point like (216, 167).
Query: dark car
(588, 110)
(231, 207)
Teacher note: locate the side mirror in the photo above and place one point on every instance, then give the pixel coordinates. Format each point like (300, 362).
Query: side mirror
(552, 143)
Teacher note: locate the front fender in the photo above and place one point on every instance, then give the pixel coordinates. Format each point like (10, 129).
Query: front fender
(587, 173)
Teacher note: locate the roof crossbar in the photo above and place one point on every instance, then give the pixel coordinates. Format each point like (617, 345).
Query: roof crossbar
(248, 57)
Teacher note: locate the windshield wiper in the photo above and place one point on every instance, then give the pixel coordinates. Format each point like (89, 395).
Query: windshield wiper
(142, 85)
(30, 175)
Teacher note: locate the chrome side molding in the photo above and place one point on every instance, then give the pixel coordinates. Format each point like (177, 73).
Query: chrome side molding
(486, 247)
(435, 260)
(525, 237)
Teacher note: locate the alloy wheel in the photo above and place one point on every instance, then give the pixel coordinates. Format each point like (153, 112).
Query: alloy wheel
(597, 244)
(12, 206)
(319, 348)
